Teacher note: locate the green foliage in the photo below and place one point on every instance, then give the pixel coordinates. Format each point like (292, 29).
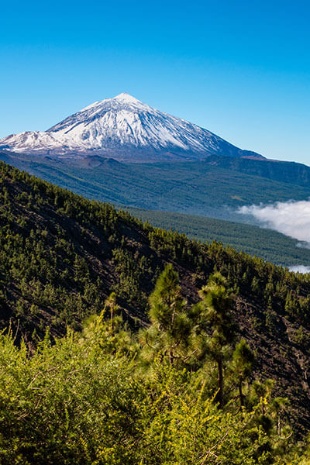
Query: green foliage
(171, 326)
(242, 366)
(187, 428)
(131, 269)
(61, 256)
(166, 302)
(69, 403)
(84, 400)
(215, 323)
(56, 252)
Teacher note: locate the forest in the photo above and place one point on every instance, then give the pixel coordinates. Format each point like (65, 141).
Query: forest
(264, 243)
(125, 343)
(179, 392)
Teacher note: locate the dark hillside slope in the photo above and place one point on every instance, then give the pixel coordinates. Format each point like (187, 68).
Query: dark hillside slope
(62, 255)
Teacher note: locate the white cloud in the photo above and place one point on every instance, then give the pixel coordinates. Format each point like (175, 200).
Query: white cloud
(300, 269)
(290, 218)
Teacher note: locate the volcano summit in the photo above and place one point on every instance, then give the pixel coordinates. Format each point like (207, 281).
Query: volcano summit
(125, 129)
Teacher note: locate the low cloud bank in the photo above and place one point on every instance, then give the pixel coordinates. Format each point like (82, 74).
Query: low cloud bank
(300, 269)
(289, 218)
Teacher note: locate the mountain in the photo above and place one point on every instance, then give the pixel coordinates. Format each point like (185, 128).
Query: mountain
(126, 129)
(62, 256)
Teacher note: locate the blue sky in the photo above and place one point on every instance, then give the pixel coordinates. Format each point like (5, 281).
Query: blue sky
(238, 68)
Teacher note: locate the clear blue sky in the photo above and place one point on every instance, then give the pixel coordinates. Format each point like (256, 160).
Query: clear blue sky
(238, 68)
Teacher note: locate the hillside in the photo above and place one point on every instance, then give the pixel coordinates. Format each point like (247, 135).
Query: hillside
(62, 255)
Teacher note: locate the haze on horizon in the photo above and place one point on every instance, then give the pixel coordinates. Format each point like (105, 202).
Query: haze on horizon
(238, 69)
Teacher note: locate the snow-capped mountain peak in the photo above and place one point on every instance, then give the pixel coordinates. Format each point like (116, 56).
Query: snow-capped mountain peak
(126, 98)
(121, 99)
(123, 128)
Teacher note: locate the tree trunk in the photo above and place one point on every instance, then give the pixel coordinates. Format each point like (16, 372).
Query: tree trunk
(241, 393)
(220, 394)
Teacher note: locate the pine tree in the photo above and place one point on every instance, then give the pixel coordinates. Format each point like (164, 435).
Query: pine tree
(242, 363)
(168, 315)
(215, 316)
